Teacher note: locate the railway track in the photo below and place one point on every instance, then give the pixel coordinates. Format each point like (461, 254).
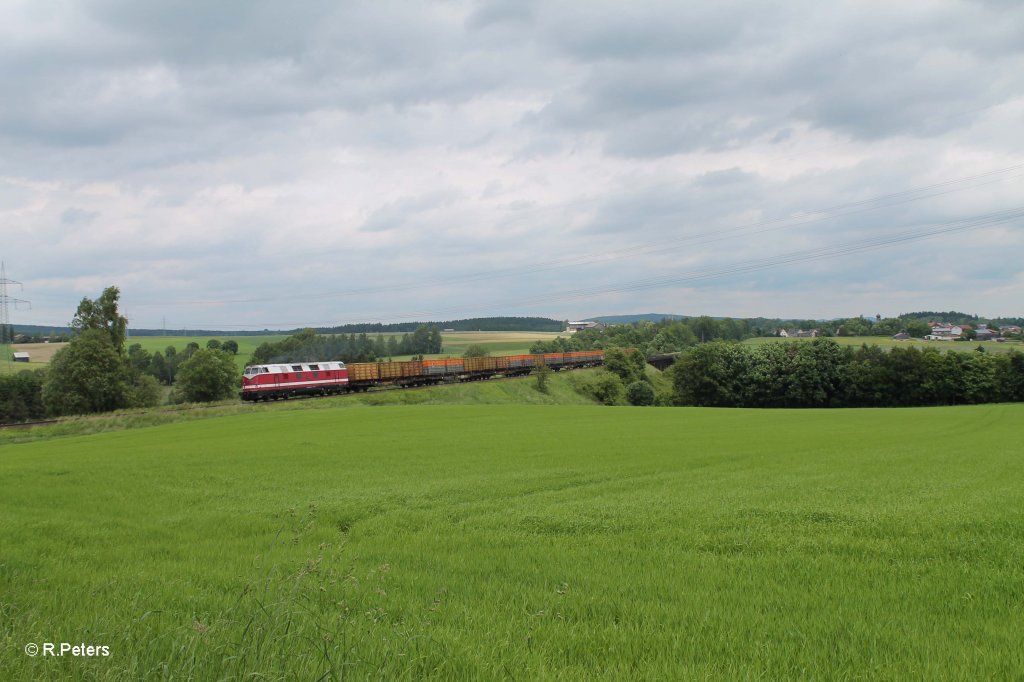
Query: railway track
(27, 425)
(373, 389)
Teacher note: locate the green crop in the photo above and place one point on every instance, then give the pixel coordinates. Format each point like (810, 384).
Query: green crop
(521, 542)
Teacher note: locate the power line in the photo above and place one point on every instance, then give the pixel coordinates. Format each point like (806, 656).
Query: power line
(6, 330)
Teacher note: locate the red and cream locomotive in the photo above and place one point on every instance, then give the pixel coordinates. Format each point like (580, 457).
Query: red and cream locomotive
(271, 382)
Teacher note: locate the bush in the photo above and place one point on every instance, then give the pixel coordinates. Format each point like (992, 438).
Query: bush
(146, 392)
(21, 396)
(606, 389)
(640, 393)
(476, 351)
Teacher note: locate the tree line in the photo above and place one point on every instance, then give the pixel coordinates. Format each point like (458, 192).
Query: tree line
(714, 370)
(309, 346)
(8, 334)
(822, 373)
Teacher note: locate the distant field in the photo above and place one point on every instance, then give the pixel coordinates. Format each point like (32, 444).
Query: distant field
(455, 344)
(39, 356)
(499, 343)
(519, 542)
(887, 342)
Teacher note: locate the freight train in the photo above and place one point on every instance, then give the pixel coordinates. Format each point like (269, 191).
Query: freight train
(292, 379)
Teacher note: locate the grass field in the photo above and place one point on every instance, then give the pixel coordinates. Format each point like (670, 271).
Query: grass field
(543, 542)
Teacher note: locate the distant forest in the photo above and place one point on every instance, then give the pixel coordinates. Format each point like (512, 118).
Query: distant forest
(476, 324)
(750, 326)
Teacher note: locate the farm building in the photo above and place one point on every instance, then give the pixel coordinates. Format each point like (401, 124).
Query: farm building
(579, 326)
(985, 334)
(20, 357)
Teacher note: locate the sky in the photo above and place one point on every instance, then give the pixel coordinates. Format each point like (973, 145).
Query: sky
(259, 164)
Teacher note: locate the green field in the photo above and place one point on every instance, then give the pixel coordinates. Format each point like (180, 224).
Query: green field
(521, 542)
(454, 343)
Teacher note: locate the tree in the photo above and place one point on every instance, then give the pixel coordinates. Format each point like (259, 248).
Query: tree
(145, 392)
(854, 326)
(21, 396)
(213, 344)
(139, 359)
(160, 369)
(476, 351)
(206, 376)
(542, 373)
(86, 376)
(918, 329)
(231, 346)
(705, 328)
(1012, 377)
(618, 363)
(711, 375)
(102, 314)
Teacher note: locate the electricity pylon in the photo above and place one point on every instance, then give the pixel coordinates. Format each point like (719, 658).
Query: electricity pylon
(6, 330)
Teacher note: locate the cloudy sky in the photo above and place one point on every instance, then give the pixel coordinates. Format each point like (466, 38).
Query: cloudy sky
(263, 164)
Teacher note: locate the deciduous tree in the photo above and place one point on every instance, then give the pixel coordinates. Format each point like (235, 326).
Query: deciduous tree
(86, 376)
(206, 376)
(103, 314)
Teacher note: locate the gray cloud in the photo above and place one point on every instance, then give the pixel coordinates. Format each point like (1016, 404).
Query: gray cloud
(256, 151)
